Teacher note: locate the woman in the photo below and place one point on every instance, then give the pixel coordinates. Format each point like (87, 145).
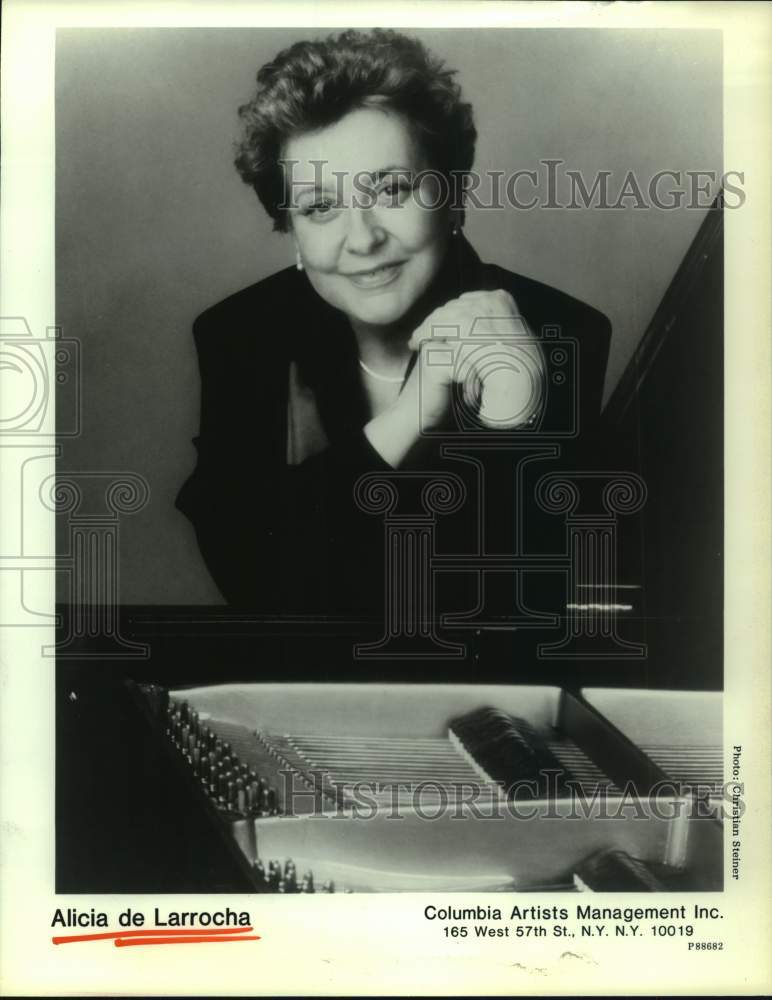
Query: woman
(353, 360)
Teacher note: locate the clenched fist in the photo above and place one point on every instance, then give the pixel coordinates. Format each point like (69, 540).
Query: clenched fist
(480, 342)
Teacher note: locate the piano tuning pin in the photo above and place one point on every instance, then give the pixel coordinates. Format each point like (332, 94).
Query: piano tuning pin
(308, 879)
(290, 874)
(348, 890)
(218, 747)
(282, 886)
(226, 748)
(329, 886)
(274, 874)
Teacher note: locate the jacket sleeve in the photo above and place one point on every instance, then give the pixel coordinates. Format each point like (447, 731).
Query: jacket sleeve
(274, 538)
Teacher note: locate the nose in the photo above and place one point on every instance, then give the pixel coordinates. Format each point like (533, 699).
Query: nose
(364, 234)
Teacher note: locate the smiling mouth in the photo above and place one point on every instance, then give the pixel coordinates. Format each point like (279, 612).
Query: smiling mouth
(378, 277)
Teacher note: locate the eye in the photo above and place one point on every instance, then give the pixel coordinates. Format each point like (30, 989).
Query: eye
(393, 191)
(319, 211)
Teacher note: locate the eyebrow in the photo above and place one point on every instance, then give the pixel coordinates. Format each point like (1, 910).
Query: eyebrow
(393, 169)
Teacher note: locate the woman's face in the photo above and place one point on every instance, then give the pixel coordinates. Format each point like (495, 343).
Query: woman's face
(369, 241)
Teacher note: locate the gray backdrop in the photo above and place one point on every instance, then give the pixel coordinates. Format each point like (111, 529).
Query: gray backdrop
(154, 224)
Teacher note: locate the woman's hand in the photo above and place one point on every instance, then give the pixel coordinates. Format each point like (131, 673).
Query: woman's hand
(480, 342)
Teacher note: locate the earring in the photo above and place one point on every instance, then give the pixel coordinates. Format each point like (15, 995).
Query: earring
(298, 261)
(455, 230)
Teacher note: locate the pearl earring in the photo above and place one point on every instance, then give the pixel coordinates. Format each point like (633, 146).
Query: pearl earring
(455, 230)
(298, 261)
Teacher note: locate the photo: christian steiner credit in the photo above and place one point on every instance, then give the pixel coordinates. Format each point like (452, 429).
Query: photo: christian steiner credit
(404, 572)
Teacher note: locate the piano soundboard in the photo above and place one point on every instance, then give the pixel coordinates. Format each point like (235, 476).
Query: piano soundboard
(391, 788)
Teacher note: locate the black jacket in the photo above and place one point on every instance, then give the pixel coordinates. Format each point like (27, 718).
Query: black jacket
(291, 539)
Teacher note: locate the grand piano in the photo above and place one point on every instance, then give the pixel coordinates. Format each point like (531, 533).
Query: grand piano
(172, 764)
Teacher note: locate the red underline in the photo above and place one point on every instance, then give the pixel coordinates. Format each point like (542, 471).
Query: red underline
(189, 939)
(193, 933)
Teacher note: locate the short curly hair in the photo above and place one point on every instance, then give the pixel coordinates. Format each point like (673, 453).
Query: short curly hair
(313, 84)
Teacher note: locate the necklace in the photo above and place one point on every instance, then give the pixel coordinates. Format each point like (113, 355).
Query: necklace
(381, 378)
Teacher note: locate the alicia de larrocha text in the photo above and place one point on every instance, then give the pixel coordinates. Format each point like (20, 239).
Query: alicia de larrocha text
(73, 917)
